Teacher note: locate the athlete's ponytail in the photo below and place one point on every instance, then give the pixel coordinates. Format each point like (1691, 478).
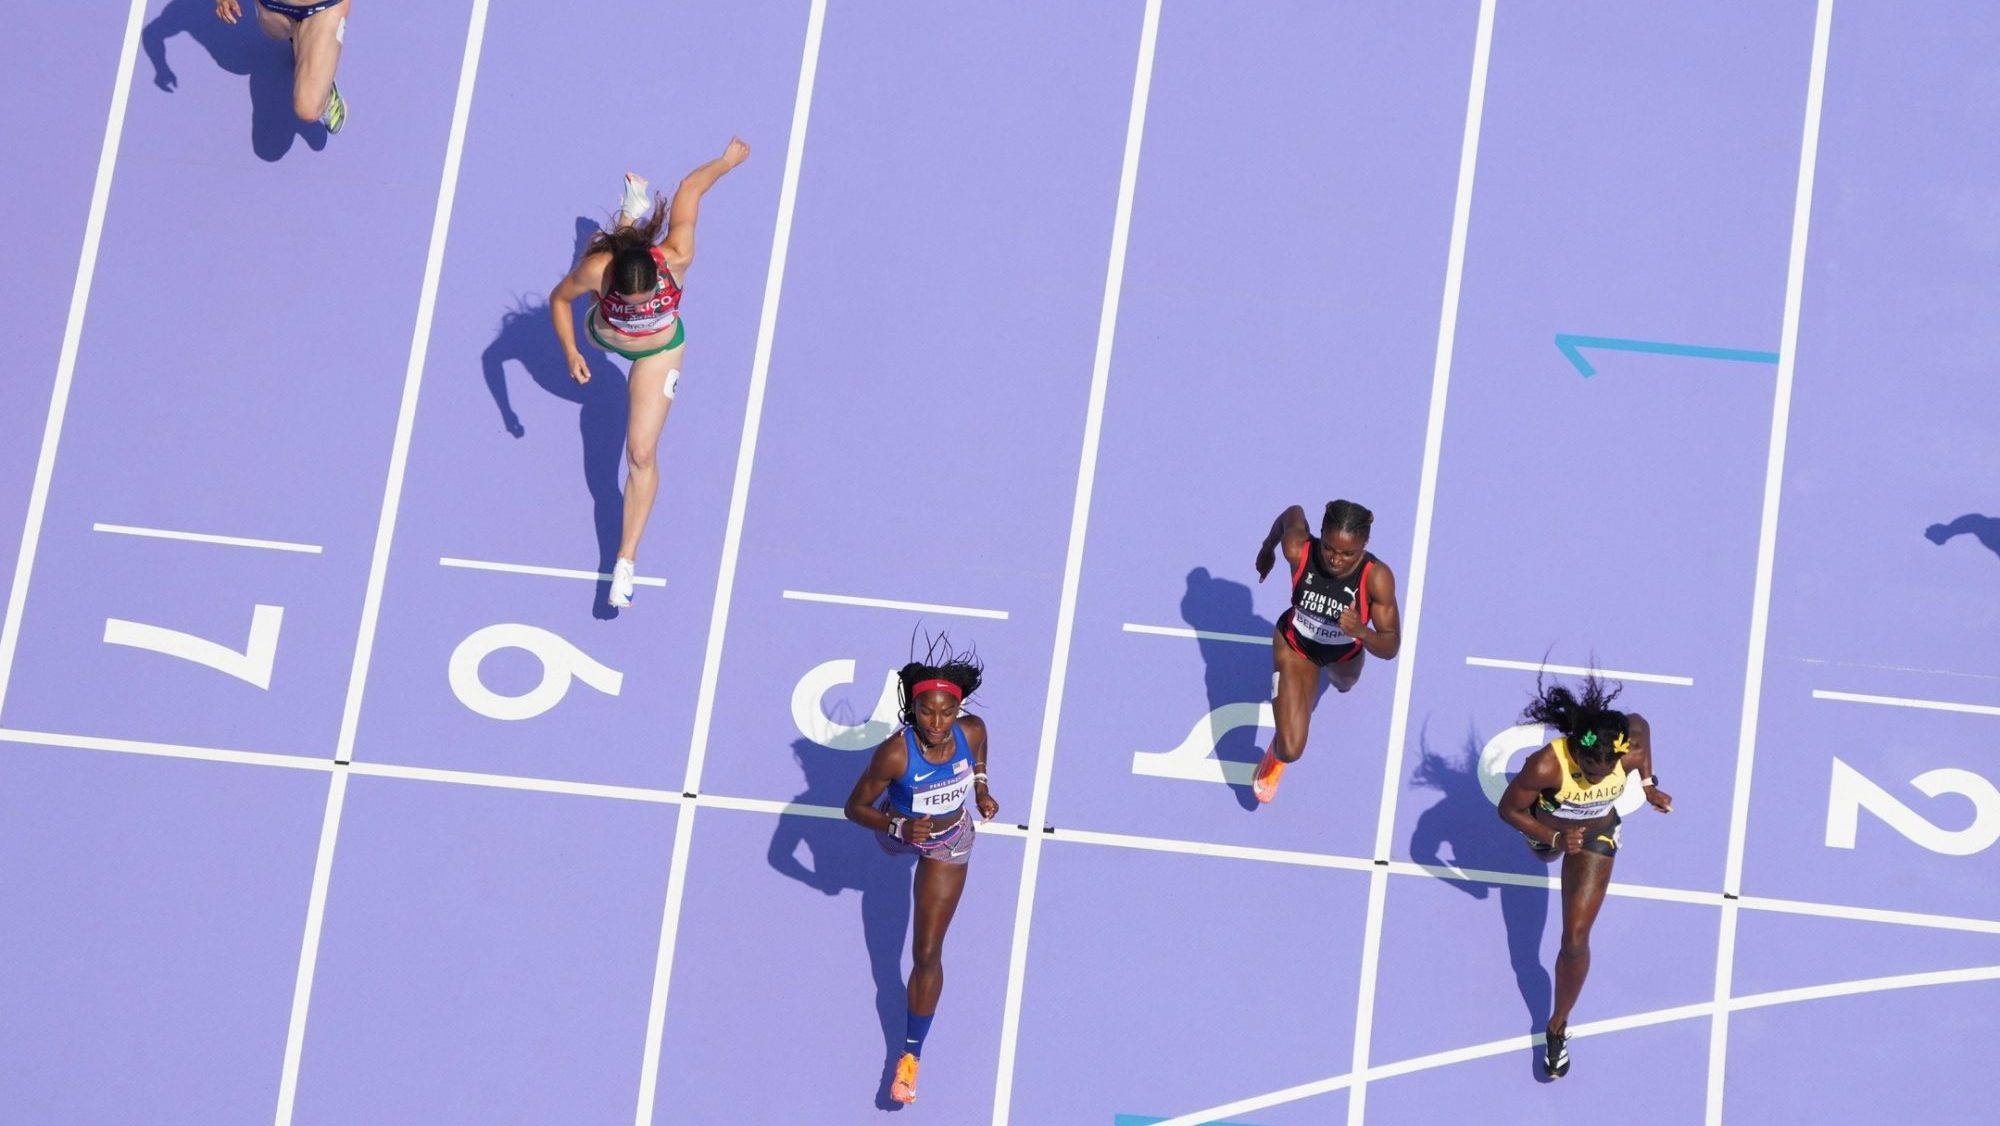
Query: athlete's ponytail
(1346, 516)
(1589, 723)
(631, 248)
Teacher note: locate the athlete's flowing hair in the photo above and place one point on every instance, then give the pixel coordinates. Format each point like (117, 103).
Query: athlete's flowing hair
(1579, 717)
(940, 662)
(1345, 516)
(631, 249)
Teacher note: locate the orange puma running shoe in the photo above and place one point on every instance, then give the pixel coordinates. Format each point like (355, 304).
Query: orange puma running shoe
(1264, 783)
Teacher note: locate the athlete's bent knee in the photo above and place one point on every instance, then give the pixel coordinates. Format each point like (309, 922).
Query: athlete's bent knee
(927, 955)
(639, 460)
(308, 112)
(1574, 949)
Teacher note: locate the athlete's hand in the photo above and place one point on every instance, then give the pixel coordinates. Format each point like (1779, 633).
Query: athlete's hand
(1572, 841)
(1351, 623)
(229, 11)
(1267, 557)
(579, 370)
(1660, 799)
(733, 154)
(987, 806)
(918, 830)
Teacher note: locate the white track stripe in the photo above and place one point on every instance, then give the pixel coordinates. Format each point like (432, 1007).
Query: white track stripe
(79, 301)
(1064, 836)
(1086, 480)
(163, 750)
(1578, 670)
(1591, 1029)
(203, 537)
(1767, 547)
(1198, 634)
(732, 543)
(550, 572)
(385, 528)
(1907, 702)
(413, 376)
(1420, 547)
(295, 1032)
(517, 782)
(893, 604)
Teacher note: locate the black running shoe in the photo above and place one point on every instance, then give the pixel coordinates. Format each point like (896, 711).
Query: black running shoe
(1555, 1055)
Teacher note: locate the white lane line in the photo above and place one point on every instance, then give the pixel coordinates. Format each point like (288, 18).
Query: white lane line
(894, 604)
(1907, 702)
(163, 750)
(204, 537)
(1767, 548)
(295, 1031)
(517, 782)
(732, 544)
(1894, 668)
(1420, 548)
(1869, 914)
(1086, 480)
(371, 602)
(550, 572)
(1060, 835)
(1199, 634)
(1578, 670)
(1585, 1029)
(79, 300)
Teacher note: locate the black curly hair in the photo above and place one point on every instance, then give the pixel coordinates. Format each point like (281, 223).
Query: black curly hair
(1588, 722)
(940, 662)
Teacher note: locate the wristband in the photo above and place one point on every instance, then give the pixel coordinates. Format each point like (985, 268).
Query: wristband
(980, 777)
(896, 827)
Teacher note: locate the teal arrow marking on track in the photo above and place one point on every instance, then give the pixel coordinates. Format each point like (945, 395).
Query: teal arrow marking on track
(1569, 344)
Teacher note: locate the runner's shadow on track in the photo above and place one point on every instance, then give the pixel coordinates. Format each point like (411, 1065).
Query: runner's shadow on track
(845, 857)
(1235, 672)
(1467, 821)
(1985, 529)
(238, 48)
(526, 338)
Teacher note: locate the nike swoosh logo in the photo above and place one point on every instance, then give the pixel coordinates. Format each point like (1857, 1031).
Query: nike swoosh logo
(925, 774)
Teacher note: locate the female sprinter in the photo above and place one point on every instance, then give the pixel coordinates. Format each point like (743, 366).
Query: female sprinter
(927, 771)
(1343, 607)
(632, 276)
(315, 30)
(1563, 803)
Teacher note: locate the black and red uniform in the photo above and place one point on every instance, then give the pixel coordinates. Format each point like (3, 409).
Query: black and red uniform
(1312, 626)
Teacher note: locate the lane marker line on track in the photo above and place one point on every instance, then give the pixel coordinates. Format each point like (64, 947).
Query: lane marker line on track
(549, 572)
(204, 537)
(893, 604)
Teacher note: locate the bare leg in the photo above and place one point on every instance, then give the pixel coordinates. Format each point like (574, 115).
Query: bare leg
(1298, 690)
(1343, 674)
(1584, 878)
(648, 382)
(315, 55)
(938, 886)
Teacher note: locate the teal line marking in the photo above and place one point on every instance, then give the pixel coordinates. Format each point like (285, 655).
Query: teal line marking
(1143, 1120)
(1569, 345)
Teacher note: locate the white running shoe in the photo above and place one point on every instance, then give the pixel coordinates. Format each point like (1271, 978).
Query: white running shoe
(621, 583)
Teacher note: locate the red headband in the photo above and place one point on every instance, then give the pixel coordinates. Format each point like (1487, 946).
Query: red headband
(923, 686)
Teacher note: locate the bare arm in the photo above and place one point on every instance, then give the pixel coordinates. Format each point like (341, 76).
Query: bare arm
(975, 741)
(884, 767)
(1639, 761)
(587, 277)
(681, 215)
(1382, 634)
(1291, 528)
(1517, 805)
